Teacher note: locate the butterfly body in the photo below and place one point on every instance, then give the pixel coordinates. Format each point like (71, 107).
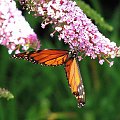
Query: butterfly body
(56, 58)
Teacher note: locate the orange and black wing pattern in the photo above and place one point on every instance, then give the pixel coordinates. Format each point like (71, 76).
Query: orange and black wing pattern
(75, 80)
(44, 57)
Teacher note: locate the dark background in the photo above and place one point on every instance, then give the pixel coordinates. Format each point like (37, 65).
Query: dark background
(43, 93)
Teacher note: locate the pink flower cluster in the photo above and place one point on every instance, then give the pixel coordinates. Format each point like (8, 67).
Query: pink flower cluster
(74, 28)
(15, 32)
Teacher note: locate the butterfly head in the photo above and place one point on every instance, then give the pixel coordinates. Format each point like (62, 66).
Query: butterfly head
(73, 53)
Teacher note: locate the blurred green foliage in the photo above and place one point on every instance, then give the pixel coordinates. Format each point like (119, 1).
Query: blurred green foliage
(42, 93)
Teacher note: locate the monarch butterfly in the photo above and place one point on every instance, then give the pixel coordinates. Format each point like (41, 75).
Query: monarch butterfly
(60, 57)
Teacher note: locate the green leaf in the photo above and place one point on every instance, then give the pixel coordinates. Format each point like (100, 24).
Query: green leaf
(93, 15)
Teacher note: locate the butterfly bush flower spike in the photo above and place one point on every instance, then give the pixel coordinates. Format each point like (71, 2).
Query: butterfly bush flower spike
(74, 28)
(15, 32)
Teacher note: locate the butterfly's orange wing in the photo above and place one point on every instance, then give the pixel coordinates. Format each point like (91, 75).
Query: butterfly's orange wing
(75, 80)
(45, 57)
